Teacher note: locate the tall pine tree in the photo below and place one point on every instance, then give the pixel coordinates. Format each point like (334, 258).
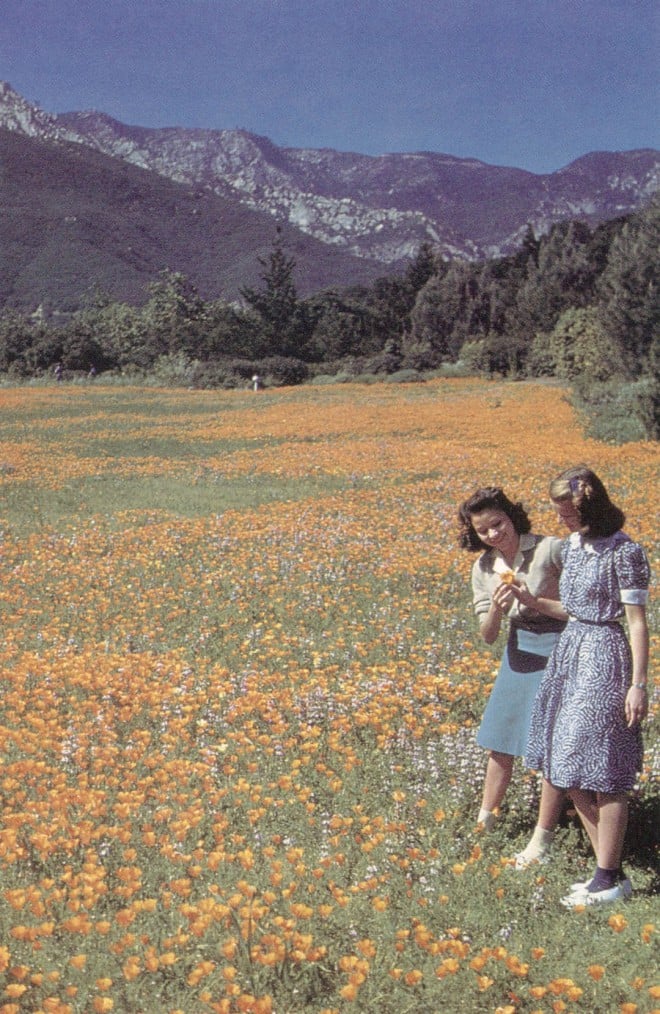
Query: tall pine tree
(281, 318)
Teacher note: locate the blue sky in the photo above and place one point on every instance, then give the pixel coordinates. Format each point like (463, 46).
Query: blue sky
(527, 83)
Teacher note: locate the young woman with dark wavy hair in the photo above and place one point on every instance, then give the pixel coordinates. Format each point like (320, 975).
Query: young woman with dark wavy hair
(510, 558)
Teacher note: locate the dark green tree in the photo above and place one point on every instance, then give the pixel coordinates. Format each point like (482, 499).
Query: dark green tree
(420, 269)
(81, 348)
(173, 318)
(228, 332)
(578, 346)
(121, 334)
(16, 338)
(629, 290)
(440, 317)
(561, 277)
(283, 323)
(342, 324)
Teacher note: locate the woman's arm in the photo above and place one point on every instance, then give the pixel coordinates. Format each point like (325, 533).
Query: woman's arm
(490, 622)
(549, 607)
(543, 576)
(637, 701)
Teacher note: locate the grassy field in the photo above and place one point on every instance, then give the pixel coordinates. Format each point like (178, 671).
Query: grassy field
(240, 687)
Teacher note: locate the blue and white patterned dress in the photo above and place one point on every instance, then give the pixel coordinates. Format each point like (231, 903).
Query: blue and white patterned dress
(578, 734)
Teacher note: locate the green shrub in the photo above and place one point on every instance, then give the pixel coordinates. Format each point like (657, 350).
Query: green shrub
(337, 378)
(405, 377)
(420, 356)
(474, 355)
(174, 370)
(619, 411)
(281, 371)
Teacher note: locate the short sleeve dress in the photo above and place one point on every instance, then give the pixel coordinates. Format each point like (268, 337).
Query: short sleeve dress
(532, 636)
(578, 734)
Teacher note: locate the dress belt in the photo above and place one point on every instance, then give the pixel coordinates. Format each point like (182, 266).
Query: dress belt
(595, 623)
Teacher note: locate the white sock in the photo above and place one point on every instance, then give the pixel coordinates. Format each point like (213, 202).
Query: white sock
(487, 818)
(540, 843)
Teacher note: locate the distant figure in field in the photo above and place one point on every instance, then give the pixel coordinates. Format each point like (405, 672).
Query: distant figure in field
(256, 382)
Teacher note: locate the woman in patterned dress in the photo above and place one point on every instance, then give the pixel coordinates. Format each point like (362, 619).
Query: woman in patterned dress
(509, 554)
(585, 727)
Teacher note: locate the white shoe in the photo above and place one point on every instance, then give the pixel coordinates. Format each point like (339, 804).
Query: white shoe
(523, 862)
(582, 886)
(620, 892)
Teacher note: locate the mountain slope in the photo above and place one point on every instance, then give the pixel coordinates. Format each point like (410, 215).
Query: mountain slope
(105, 203)
(74, 219)
(383, 207)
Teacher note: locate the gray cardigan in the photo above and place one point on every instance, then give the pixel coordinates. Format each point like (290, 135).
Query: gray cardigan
(538, 564)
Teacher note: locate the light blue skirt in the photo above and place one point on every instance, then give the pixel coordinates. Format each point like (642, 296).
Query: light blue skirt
(506, 720)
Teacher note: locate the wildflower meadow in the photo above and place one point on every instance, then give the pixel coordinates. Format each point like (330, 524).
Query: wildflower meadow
(240, 684)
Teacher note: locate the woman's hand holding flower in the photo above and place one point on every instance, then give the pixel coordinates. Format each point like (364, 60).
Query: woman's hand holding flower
(524, 595)
(504, 595)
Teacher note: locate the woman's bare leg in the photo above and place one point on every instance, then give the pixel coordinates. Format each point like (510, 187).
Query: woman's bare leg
(586, 804)
(539, 845)
(612, 824)
(551, 805)
(498, 776)
(605, 818)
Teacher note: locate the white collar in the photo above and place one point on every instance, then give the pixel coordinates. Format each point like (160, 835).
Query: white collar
(598, 545)
(525, 542)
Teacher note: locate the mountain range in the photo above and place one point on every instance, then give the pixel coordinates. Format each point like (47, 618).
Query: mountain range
(88, 201)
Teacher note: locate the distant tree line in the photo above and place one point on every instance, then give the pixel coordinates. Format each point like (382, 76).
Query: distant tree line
(578, 304)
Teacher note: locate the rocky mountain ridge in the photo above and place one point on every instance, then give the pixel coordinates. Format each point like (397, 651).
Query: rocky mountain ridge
(376, 207)
(76, 222)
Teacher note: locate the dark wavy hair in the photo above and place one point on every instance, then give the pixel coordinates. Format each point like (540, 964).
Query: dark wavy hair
(490, 498)
(599, 517)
